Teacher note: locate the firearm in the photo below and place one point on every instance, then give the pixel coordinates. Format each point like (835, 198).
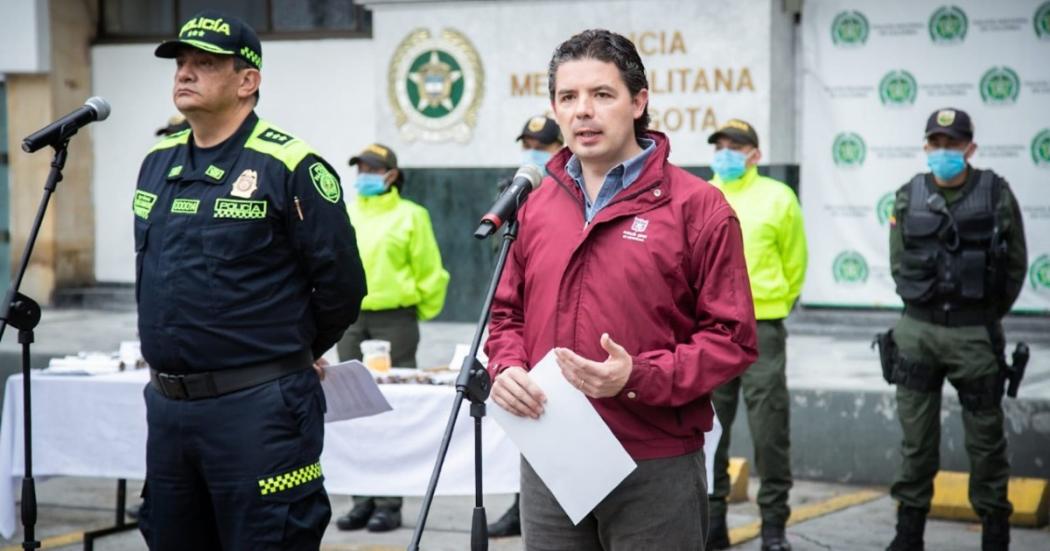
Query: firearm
(1015, 371)
(888, 354)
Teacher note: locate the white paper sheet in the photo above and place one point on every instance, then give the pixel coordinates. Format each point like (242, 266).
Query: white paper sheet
(351, 392)
(711, 438)
(570, 447)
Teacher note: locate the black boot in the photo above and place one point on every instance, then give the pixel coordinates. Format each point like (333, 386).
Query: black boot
(718, 533)
(509, 524)
(358, 517)
(911, 523)
(773, 538)
(995, 533)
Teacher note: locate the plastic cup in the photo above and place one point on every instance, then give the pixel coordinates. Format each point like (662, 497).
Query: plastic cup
(376, 355)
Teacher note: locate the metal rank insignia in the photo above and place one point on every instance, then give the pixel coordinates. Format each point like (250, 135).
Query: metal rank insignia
(246, 184)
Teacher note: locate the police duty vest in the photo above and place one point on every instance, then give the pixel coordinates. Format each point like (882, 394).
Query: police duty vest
(951, 256)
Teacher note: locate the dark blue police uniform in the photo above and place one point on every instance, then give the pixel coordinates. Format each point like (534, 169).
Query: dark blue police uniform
(247, 270)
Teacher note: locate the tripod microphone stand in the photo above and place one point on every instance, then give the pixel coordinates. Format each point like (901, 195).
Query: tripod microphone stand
(473, 384)
(23, 313)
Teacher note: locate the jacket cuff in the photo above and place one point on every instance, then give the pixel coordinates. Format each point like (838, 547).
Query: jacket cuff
(495, 368)
(640, 371)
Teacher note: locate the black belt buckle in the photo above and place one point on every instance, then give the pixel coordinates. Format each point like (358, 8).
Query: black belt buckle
(173, 385)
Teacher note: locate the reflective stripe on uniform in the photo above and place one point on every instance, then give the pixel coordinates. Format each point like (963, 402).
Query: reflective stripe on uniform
(289, 480)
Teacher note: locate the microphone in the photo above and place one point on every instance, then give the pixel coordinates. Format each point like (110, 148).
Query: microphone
(506, 206)
(94, 109)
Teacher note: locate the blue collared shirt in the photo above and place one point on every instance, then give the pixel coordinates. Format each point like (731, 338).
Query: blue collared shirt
(618, 178)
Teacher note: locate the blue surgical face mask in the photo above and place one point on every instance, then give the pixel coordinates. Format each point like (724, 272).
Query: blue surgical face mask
(946, 164)
(369, 184)
(536, 158)
(729, 165)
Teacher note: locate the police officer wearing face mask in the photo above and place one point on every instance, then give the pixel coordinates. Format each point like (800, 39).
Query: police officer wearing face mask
(408, 284)
(957, 254)
(775, 250)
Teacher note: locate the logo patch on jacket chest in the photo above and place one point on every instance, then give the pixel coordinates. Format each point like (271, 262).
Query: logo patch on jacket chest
(637, 231)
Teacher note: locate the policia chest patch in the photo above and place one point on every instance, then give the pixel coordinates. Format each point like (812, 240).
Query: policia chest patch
(239, 208)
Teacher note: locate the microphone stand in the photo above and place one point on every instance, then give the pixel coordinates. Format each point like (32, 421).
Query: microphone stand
(23, 313)
(474, 384)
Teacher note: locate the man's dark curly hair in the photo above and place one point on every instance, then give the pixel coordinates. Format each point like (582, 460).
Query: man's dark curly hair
(609, 47)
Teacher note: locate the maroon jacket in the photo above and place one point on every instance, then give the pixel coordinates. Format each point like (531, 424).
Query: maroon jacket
(661, 269)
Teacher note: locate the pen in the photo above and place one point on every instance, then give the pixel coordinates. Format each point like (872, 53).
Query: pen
(298, 208)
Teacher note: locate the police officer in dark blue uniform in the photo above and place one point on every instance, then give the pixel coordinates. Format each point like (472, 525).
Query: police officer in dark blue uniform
(247, 272)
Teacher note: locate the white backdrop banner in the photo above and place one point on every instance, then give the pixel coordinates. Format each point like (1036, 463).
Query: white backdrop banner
(460, 79)
(873, 72)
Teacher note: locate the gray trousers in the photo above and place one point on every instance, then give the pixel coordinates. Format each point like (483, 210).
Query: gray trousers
(661, 505)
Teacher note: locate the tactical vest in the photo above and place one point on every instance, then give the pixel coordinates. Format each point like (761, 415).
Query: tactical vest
(952, 257)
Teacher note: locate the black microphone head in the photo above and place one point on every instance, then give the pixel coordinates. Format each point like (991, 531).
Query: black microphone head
(100, 106)
(530, 173)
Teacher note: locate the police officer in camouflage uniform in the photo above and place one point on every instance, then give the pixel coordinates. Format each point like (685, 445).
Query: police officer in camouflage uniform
(247, 272)
(957, 253)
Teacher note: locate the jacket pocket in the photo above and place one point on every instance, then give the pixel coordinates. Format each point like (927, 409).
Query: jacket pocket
(235, 254)
(918, 274)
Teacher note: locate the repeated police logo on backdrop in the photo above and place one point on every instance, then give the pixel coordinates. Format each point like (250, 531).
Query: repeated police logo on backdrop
(850, 268)
(1000, 86)
(849, 29)
(1041, 148)
(898, 88)
(1039, 273)
(1041, 21)
(848, 149)
(884, 207)
(435, 86)
(948, 25)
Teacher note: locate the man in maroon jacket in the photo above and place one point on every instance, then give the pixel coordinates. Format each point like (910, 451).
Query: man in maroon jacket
(633, 270)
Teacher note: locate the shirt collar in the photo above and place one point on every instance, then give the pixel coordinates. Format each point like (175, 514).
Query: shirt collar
(184, 168)
(627, 171)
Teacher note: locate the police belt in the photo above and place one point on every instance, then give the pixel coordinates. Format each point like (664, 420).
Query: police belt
(209, 384)
(948, 318)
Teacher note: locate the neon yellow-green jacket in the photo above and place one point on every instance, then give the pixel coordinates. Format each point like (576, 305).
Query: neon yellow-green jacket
(774, 240)
(400, 254)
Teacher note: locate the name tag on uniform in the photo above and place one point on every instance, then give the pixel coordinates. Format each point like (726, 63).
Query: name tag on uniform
(239, 208)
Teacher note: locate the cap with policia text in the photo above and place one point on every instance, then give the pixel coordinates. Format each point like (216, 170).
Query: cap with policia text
(954, 123)
(213, 32)
(542, 129)
(737, 130)
(376, 156)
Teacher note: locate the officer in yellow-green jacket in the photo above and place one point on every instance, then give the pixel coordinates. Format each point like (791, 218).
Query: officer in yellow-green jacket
(775, 250)
(407, 283)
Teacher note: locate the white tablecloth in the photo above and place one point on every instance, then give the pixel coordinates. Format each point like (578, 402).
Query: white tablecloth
(96, 426)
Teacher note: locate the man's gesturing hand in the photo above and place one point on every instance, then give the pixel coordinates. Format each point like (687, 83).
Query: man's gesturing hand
(515, 392)
(597, 379)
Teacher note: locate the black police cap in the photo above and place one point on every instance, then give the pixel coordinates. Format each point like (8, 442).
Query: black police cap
(213, 32)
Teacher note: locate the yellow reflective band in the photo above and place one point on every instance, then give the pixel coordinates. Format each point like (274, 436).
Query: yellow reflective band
(290, 480)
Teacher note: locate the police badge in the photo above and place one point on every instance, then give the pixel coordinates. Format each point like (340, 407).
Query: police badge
(246, 184)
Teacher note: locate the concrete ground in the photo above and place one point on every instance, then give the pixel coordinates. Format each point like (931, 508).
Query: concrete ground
(70, 505)
(826, 363)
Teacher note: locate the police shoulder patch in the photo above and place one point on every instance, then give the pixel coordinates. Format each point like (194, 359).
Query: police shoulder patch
(275, 136)
(325, 182)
